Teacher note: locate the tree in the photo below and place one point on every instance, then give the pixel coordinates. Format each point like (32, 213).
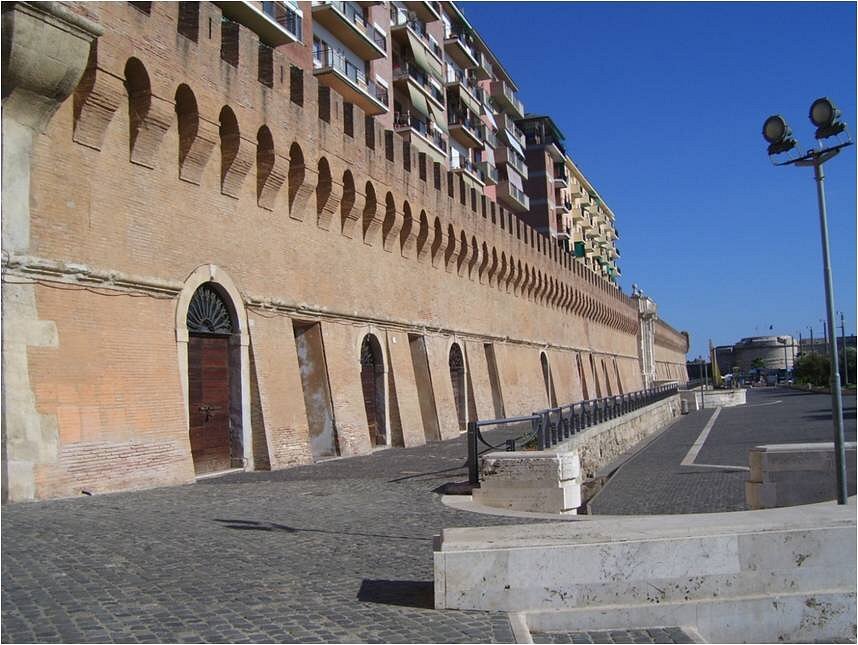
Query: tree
(758, 363)
(812, 368)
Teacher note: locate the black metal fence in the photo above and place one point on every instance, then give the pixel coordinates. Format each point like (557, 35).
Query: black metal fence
(547, 428)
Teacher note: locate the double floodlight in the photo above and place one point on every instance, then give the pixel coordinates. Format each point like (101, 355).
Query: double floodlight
(823, 114)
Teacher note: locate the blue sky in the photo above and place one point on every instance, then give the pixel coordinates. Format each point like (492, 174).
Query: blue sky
(662, 105)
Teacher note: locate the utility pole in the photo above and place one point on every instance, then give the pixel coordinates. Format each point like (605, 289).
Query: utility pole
(811, 339)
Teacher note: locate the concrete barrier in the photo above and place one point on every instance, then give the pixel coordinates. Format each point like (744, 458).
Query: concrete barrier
(558, 480)
(753, 576)
(795, 473)
(713, 398)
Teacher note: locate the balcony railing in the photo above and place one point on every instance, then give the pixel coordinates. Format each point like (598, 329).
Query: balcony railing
(490, 138)
(399, 17)
(466, 55)
(473, 124)
(456, 76)
(509, 125)
(285, 15)
(461, 163)
(327, 58)
(534, 138)
(560, 174)
(505, 94)
(409, 69)
(509, 156)
(517, 194)
(356, 18)
(425, 129)
(490, 172)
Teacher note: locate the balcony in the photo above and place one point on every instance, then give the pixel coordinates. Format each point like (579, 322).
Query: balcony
(332, 69)
(489, 173)
(468, 168)
(511, 197)
(508, 156)
(401, 24)
(409, 72)
(277, 23)
(466, 129)
(406, 124)
(459, 46)
(553, 145)
(563, 207)
(490, 138)
(349, 25)
(561, 178)
(425, 11)
(505, 96)
(506, 124)
(484, 70)
(465, 86)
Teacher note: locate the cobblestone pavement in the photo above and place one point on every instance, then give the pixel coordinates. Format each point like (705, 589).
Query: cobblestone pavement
(339, 551)
(336, 552)
(654, 482)
(663, 635)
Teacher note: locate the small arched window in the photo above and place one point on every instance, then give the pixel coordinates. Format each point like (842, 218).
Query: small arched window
(208, 313)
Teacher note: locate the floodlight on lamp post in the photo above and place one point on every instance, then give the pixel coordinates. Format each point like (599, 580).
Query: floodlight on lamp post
(826, 117)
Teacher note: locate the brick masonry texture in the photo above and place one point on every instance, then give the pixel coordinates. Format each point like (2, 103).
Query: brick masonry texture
(168, 163)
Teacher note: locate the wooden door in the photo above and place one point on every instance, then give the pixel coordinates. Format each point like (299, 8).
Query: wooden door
(208, 385)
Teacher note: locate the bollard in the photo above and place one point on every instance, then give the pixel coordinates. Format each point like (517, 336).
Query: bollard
(684, 406)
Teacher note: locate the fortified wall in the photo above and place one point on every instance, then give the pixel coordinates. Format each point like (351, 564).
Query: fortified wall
(369, 298)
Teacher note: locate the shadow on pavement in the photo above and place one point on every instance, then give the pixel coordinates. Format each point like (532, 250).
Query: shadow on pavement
(252, 525)
(404, 593)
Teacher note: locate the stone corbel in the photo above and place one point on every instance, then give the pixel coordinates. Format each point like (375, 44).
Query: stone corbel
(484, 263)
(302, 188)
(393, 224)
(502, 274)
(410, 241)
(353, 215)
(234, 170)
(325, 211)
(464, 260)
(96, 99)
(147, 130)
(373, 219)
(451, 254)
(439, 238)
(493, 265)
(198, 151)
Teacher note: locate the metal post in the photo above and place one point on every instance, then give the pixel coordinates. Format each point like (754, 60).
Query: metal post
(811, 340)
(473, 457)
(836, 397)
(843, 349)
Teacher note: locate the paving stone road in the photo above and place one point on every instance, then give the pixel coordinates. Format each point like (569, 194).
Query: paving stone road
(654, 482)
(335, 552)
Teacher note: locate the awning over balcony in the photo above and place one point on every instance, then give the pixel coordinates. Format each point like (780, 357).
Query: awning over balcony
(515, 144)
(418, 101)
(439, 119)
(425, 59)
(487, 112)
(472, 104)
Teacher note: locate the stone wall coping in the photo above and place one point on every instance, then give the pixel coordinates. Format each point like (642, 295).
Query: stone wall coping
(822, 446)
(590, 529)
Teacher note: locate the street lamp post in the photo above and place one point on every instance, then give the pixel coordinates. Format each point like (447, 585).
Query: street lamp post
(843, 349)
(826, 117)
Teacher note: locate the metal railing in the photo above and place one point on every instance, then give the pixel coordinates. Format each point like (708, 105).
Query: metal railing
(356, 18)
(455, 117)
(286, 15)
(427, 129)
(410, 69)
(399, 17)
(546, 428)
(465, 41)
(327, 58)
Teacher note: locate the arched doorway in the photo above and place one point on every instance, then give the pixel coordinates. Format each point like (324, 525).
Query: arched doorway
(372, 382)
(215, 444)
(457, 377)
